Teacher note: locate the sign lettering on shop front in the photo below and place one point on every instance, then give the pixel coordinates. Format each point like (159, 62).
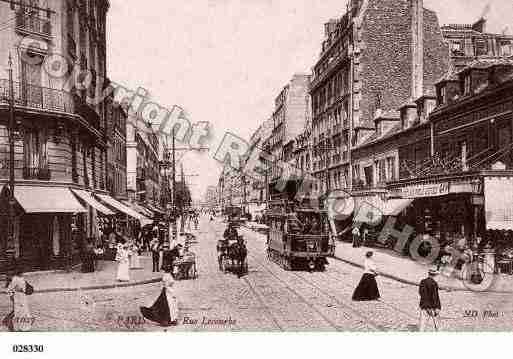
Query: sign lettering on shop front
(428, 190)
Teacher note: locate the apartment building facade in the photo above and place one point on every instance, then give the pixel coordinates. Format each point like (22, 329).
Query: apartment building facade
(291, 112)
(60, 139)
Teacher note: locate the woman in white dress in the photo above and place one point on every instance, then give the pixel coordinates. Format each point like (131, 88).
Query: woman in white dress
(20, 319)
(135, 259)
(122, 258)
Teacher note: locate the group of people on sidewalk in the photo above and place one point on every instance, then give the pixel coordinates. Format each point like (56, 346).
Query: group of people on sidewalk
(128, 258)
(429, 304)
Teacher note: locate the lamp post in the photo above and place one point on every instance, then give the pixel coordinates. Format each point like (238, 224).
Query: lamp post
(12, 202)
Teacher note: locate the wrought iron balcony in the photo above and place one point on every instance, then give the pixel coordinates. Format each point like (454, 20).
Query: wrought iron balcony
(43, 174)
(37, 97)
(34, 24)
(48, 99)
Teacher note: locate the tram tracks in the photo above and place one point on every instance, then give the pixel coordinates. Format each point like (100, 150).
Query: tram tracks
(360, 317)
(330, 284)
(332, 274)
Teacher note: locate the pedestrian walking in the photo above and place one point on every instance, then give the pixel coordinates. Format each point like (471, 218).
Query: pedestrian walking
(165, 309)
(20, 319)
(367, 289)
(430, 306)
(135, 259)
(155, 253)
(356, 237)
(122, 257)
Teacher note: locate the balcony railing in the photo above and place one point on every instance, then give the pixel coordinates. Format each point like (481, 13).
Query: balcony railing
(33, 23)
(43, 174)
(37, 97)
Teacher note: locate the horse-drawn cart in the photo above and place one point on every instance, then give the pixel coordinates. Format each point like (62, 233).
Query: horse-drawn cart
(232, 255)
(185, 267)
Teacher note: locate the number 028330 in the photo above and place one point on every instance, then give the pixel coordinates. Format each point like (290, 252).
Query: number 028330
(19, 348)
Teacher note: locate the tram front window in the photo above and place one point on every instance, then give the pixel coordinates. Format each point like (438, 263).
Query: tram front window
(294, 226)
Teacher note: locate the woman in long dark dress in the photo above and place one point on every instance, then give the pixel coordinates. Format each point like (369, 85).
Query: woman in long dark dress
(165, 309)
(367, 289)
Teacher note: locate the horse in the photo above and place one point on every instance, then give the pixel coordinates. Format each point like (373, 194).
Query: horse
(237, 253)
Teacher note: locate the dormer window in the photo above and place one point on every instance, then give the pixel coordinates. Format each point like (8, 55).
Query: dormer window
(467, 85)
(457, 48)
(481, 47)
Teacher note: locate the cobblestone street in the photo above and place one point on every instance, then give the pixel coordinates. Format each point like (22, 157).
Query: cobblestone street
(267, 299)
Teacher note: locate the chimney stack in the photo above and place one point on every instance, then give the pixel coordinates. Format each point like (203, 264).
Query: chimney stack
(417, 10)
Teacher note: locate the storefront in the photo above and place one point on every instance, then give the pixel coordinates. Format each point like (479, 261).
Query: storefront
(43, 228)
(97, 218)
(127, 221)
(448, 208)
(466, 210)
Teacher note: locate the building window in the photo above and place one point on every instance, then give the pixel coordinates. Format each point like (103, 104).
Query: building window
(481, 48)
(505, 49)
(391, 169)
(369, 175)
(457, 48)
(382, 172)
(443, 95)
(35, 149)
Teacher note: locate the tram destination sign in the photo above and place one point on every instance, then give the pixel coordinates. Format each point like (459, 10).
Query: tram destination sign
(424, 190)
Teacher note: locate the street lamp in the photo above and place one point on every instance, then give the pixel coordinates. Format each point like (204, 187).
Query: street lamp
(11, 131)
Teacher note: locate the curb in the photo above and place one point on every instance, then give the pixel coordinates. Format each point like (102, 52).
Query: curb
(409, 282)
(96, 287)
(386, 275)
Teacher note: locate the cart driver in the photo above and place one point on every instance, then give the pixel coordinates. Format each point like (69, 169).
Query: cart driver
(231, 234)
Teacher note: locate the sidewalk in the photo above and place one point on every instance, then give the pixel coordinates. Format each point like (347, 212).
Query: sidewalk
(103, 278)
(404, 269)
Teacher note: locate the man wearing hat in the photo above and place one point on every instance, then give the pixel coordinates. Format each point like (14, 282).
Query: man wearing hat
(429, 300)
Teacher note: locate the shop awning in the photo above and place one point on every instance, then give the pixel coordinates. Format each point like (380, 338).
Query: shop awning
(498, 193)
(89, 199)
(154, 209)
(34, 199)
(144, 211)
(124, 209)
(393, 207)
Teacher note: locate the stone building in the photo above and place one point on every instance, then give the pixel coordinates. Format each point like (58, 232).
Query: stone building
(116, 154)
(455, 178)
(144, 178)
(60, 138)
(372, 59)
(291, 111)
(257, 185)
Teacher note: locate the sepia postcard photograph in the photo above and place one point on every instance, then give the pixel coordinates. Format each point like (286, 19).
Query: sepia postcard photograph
(255, 166)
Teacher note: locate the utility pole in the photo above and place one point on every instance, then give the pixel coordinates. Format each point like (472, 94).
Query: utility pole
(12, 200)
(173, 186)
(244, 197)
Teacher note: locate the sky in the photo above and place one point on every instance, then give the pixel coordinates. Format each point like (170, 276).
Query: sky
(225, 61)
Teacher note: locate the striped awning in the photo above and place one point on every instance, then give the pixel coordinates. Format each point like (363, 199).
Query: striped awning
(120, 207)
(89, 199)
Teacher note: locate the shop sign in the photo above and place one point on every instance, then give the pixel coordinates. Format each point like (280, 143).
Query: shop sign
(427, 190)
